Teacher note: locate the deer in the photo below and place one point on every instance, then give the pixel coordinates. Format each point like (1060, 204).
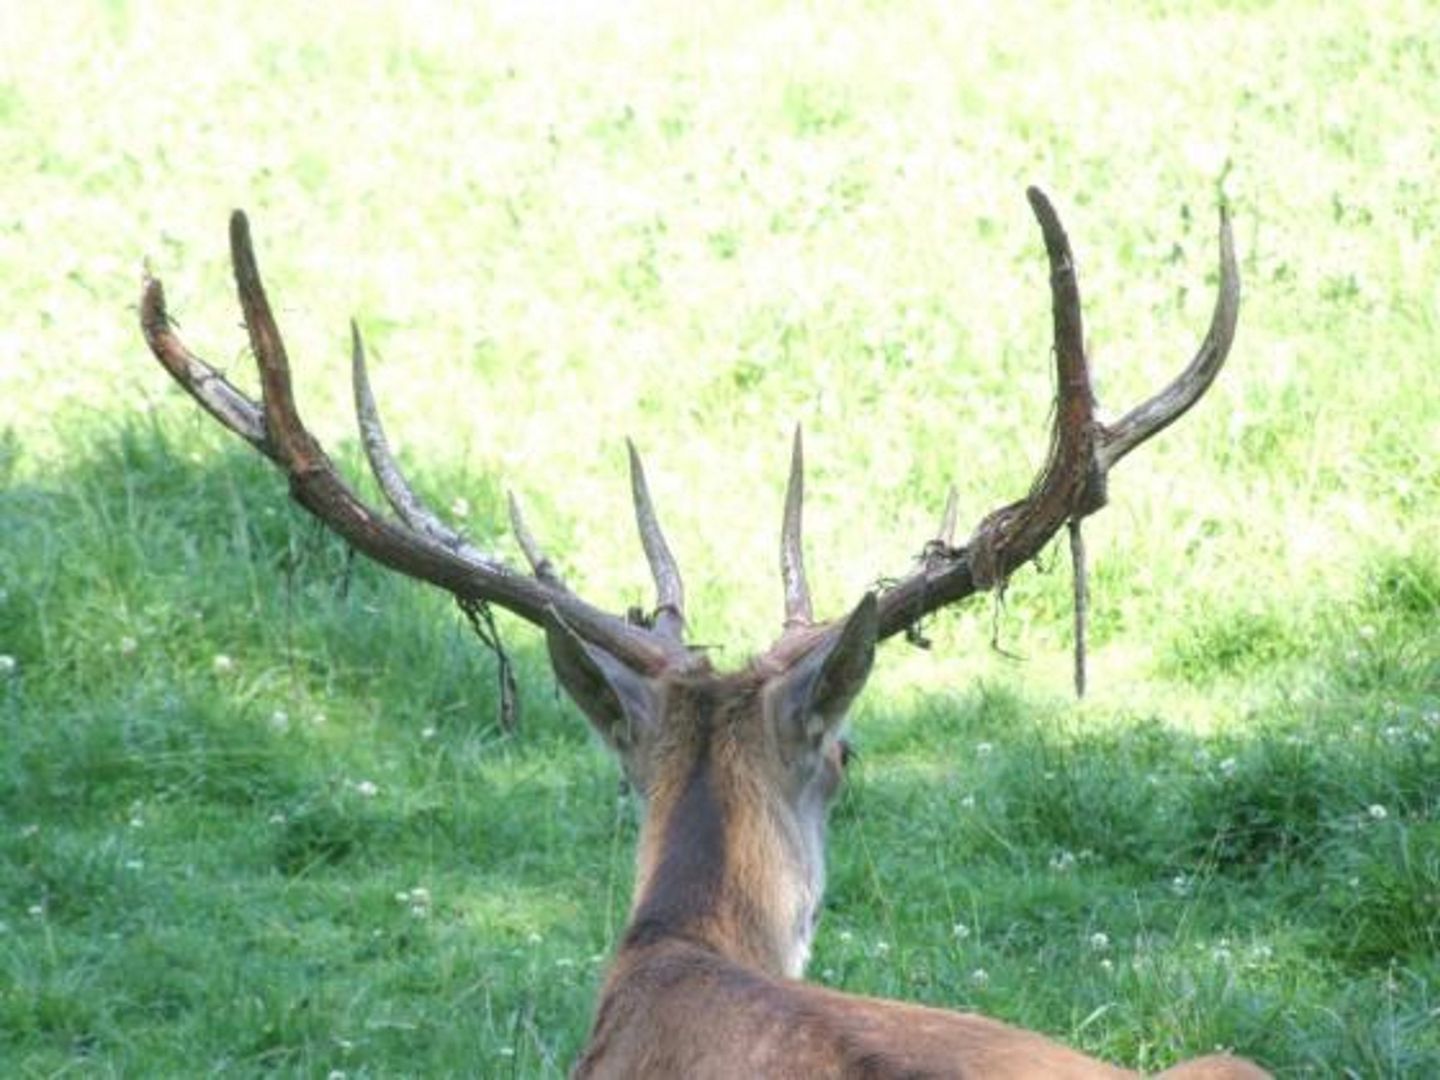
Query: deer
(734, 770)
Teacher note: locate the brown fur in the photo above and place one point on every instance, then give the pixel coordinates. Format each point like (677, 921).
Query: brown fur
(700, 987)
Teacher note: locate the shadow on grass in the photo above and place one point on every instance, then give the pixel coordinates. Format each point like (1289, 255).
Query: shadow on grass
(246, 767)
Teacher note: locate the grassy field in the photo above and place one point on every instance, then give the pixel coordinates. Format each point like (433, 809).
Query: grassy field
(256, 816)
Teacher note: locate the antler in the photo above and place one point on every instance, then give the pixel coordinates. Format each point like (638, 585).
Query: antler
(418, 544)
(1070, 486)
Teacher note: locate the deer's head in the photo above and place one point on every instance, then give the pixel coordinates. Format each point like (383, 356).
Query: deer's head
(736, 770)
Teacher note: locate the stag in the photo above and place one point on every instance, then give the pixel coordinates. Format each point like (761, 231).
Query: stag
(736, 770)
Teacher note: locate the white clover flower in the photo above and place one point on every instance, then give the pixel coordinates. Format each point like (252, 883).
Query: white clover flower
(1377, 812)
(983, 749)
(1227, 767)
(460, 508)
(967, 802)
(36, 911)
(222, 664)
(980, 977)
(1180, 885)
(1107, 965)
(128, 645)
(280, 720)
(428, 732)
(1099, 941)
(961, 931)
(1062, 862)
(846, 936)
(367, 789)
(8, 664)
(882, 948)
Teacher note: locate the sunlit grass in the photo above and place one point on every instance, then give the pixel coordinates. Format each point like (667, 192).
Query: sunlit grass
(255, 814)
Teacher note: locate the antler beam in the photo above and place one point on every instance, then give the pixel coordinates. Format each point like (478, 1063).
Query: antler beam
(1072, 483)
(419, 545)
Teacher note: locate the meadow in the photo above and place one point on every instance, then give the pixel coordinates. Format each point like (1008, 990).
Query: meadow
(257, 814)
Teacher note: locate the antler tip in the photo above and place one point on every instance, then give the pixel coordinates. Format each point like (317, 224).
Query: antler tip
(152, 293)
(239, 229)
(1227, 232)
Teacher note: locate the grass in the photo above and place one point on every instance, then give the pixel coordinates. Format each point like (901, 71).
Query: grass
(255, 813)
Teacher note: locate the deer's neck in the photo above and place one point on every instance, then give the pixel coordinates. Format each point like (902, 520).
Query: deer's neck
(716, 868)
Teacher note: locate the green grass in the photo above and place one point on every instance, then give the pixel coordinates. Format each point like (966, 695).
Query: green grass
(255, 813)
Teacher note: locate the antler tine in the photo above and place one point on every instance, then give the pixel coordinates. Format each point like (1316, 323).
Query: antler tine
(398, 492)
(540, 564)
(216, 394)
(297, 448)
(669, 590)
(1159, 412)
(1076, 395)
(1070, 484)
(798, 610)
(946, 534)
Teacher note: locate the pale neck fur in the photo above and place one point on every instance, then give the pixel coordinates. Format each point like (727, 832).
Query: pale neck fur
(722, 865)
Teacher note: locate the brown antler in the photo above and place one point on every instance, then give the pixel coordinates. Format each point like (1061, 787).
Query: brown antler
(1070, 486)
(1072, 483)
(418, 544)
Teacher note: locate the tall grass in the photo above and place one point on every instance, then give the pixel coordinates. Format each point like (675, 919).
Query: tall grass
(256, 815)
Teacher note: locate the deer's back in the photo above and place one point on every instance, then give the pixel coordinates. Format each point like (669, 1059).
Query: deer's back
(680, 1010)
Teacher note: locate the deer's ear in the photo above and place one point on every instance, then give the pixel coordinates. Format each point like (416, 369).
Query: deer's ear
(619, 701)
(819, 689)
